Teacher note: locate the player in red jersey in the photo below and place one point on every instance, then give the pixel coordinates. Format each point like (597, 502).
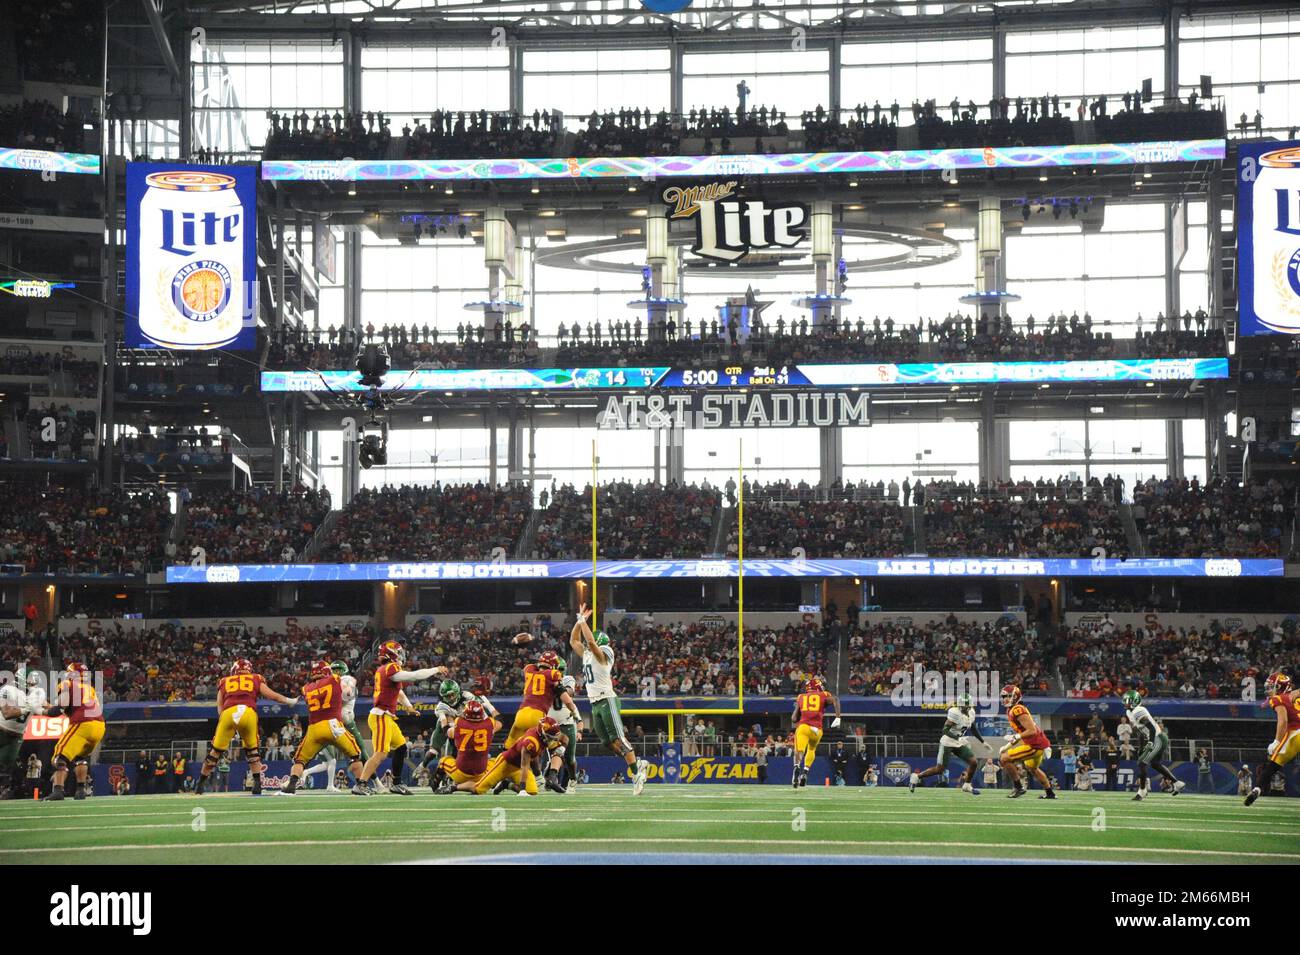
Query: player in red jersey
(385, 734)
(515, 765)
(809, 711)
(1027, 745)
(471, 735)
(237, 696)
(540, 680)
(324, 696)
(1283, 699)
(76, 699)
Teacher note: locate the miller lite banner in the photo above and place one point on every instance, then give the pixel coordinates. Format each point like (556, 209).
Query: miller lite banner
(191, 260)
(728, 227)
(1268, 238)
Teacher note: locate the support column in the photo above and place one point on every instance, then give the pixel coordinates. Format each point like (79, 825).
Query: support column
(988, 258)
(823, 252)
(492, 446)
(514, 448)
(831, 467)
(676, 454)
(1174, 447)
(1172, 292)
(656, 257)
(279, 259)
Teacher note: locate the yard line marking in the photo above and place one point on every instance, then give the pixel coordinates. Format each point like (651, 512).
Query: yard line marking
(452, 840)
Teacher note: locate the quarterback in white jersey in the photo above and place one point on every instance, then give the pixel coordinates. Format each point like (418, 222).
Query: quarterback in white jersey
(13, 720)
(598, 674)
(954, 743)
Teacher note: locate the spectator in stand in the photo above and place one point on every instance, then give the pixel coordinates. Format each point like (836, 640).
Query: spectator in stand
(49, 528)
(253, 526)
(643, 521)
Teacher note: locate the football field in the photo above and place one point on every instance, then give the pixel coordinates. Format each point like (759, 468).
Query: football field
(606, 823)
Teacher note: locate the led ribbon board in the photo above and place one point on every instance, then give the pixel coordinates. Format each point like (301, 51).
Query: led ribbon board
(950, 567)
(878, 375)
(780, 164)
(42, 160)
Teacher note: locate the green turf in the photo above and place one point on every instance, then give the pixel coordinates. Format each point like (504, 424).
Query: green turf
(733, 819)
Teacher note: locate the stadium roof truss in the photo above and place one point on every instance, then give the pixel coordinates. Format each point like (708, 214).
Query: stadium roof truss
(714, 18)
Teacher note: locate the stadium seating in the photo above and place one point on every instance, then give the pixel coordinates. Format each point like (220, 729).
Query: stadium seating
(256, 526)
(634, 521)
(49, 528)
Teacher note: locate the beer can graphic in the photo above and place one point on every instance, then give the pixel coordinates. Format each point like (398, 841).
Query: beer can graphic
(191, 253)
(1275, 208)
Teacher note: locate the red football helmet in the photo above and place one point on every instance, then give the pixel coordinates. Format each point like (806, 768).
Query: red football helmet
(1010, 695)
(390, 651)
(242, 665)
(549, 660)
(549, 727)
(321, 669)
(474, 711)
(813, 685)
(77, 668)
(1277, 683)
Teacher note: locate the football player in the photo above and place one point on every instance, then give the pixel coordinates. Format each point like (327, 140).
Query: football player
(1027, 746)
(76, 698)
(515, 765)
(471, 737)
(450, 707)
(329, 764)
(809, 712)
(565, 712)
(1155, 746)
(540, 680)
(954, 744)
(598, 675)
(237, 696)
(385, 735)
(324, 696)
(1283, 699)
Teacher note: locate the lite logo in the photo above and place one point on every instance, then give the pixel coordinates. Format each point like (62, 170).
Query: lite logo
(729, 229)
(76, 908)
(188, 228)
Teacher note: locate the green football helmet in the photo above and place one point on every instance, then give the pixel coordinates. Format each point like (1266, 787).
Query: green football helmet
(562, 665)
(602, 638)
(1131, 699)
(340, 668)
(449, 692)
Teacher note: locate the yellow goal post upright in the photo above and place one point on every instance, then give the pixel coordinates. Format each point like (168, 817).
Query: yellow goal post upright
(674, 713)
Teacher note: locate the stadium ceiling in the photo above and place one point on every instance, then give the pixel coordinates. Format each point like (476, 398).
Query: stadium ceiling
(712, 16)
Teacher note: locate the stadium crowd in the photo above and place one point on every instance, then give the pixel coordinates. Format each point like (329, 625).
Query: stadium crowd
(638, 131)
(1182, 518)
(991, 527)
(1102, 659)
(253, 526)
(73, 437)
(39, 124)
(439, 522)
(626, 342)
(837, 528)
(634, 521)
(47, 528)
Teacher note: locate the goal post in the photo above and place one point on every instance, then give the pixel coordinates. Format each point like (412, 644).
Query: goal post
(673, 713)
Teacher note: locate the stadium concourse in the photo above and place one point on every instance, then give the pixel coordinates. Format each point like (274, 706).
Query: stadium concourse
(645, 434)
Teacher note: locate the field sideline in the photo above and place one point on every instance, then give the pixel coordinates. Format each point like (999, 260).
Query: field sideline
(606, 823)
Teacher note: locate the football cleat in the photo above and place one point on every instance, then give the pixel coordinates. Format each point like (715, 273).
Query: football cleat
(642, 773)
(397, 789)
(1249, 800)
(1179, 786)
(55, 795)
(968, 788)
(572, 788)
(1050, 794)
(912, 782)
(500, 787)
(359, 789)
(553, 782)
(1016, 793)
(1139, 796)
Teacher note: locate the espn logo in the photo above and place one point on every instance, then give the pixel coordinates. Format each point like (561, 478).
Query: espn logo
(75, 908)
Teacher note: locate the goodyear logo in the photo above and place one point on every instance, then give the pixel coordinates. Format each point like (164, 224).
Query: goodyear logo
(707, 768)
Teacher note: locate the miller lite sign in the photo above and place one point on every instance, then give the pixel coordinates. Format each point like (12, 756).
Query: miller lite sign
(728, 227)
(191, 271)
(1268, 238)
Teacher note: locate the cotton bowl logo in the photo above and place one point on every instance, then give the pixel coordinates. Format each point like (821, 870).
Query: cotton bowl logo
(1223, 568)
(222, 575)
(201, 289)
(897, 770)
